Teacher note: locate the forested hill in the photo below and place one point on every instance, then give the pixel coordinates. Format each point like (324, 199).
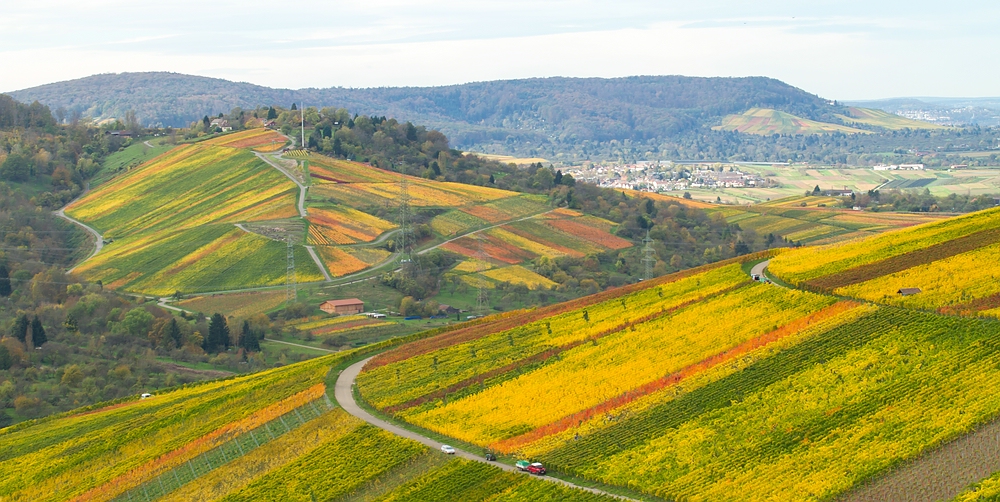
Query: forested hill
(530, 110)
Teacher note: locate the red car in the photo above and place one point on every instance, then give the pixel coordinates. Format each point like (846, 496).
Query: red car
(536, 468)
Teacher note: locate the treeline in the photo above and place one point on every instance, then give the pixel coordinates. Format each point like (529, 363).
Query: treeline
(54, 160)
(920, 201)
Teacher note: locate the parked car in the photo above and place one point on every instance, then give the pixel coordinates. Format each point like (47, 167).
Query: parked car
(536, 468)
(144, 395)
(491, 457)
(522, 465)
(447, 449)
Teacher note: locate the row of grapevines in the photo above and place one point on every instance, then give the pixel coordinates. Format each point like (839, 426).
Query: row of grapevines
(812, 421)
(956, 280)
(333, 468)
(406, 380)
(592, 373)
(60, 458)
(809, 263)
(475, 481)
(272, 456)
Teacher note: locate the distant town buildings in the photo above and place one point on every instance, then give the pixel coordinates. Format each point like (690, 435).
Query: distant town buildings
(901, 167)
(650, 176)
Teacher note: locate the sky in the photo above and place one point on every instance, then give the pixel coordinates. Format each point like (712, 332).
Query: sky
(844, 49)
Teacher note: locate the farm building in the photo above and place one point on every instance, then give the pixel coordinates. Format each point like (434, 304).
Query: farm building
(348, 306)
(908, 291)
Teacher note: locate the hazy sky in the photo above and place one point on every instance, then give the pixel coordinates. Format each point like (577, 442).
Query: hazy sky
(842, 49)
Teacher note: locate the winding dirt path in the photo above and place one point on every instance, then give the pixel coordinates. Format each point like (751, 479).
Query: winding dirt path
(302, 188)
(343, 392)
(98, 238)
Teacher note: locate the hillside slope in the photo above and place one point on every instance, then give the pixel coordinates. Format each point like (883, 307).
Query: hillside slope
(171, 224)
(735, 390)
(572, 109)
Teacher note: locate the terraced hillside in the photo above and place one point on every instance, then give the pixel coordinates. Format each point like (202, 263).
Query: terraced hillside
(352, 204)
(171, 223)
(705, 385)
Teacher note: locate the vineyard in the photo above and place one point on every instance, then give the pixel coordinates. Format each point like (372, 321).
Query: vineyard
(815, 223)
(585, 376)
(812, 420)
(704, 384)
(235, 304)
(170, 223)
(343, 225)
(270, 436)
(554, 234)
(261, 139)
(844, 264)
(952, 265)
(101, 454)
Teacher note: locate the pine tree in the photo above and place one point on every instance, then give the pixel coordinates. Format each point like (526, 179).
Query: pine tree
(248, 339)
(173, 332)
(21, 328)
(38, 337)
(271, 113)
(218, 334)
(4, 281)
(294, 107)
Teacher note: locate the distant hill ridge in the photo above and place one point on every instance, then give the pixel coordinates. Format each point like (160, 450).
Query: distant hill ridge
(551, 109)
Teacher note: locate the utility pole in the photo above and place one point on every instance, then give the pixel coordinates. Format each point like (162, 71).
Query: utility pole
(291, 292)
(649, 257)
(302, 115)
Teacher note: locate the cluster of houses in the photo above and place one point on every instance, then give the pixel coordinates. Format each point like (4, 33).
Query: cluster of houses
(900, 167)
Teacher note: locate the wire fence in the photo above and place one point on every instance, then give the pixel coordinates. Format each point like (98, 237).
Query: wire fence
(171, 480)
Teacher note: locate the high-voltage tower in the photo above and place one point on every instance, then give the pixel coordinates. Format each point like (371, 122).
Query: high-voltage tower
(648, 258)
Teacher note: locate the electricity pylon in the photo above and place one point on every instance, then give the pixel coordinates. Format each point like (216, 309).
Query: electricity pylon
(649, 257)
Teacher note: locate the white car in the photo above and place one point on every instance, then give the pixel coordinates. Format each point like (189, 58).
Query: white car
(145, 395)
(447, 449)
